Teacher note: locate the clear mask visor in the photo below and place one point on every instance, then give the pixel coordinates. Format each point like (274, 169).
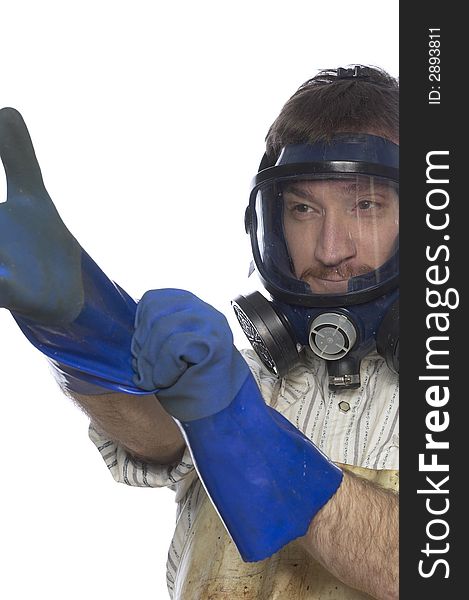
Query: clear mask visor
(327, 235)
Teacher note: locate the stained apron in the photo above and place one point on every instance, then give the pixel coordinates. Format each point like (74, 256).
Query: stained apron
(211, 568)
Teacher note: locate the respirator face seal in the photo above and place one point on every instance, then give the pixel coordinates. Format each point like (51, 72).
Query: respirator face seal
(325, 232)
(324, 229)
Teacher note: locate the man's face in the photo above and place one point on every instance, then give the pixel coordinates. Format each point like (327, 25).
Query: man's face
(337, 229)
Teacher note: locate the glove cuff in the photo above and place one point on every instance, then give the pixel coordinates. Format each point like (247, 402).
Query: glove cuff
(95, 347)
(78, 382)
(265, 478)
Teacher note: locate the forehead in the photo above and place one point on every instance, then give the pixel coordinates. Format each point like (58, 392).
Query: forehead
(349, 185)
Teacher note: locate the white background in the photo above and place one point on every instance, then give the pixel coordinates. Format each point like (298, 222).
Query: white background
(148, 120)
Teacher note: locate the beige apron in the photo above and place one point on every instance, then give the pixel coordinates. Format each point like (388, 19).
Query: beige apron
(211, 568)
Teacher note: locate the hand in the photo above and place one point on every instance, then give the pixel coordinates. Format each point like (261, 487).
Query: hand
(266, 479)
(59, 297)
(184, 347)
(40, 260)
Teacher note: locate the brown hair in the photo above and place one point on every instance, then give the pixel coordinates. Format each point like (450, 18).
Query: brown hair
(358, 99)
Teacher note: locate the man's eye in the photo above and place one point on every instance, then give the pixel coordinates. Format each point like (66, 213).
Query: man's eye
(301, 210)
(367, 205)
(302, 207)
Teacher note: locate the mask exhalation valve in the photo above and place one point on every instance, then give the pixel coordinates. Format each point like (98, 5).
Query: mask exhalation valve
(332, 336)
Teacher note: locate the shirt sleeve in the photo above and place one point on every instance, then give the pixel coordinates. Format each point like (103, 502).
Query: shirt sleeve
(127, 469)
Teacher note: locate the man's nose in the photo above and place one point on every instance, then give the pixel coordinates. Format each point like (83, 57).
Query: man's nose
(335, 241)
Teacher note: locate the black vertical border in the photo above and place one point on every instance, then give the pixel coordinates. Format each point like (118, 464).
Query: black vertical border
(427, 127)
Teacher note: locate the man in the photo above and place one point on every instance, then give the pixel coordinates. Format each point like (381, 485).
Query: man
(322, 237)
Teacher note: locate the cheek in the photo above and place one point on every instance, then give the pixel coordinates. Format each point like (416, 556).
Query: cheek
(376, 247)
(300, 244)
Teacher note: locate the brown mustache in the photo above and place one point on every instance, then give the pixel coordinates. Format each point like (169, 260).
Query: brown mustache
(343, 271)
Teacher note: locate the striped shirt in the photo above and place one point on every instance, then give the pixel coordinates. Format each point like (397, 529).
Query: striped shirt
(354, 427)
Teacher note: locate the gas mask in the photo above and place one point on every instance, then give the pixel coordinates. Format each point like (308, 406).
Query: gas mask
(324, 228)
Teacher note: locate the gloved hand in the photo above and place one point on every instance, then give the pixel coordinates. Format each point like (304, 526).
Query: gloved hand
(40, 260)
(266, 479)
(184, 347)
(62, 301)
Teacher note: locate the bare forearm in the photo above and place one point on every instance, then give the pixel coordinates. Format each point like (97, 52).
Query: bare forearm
(138, 423)
(356, 537)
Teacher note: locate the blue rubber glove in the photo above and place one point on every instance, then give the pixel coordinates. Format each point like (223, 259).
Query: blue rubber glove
(266, 479)
(60, 298)
(184, 347)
